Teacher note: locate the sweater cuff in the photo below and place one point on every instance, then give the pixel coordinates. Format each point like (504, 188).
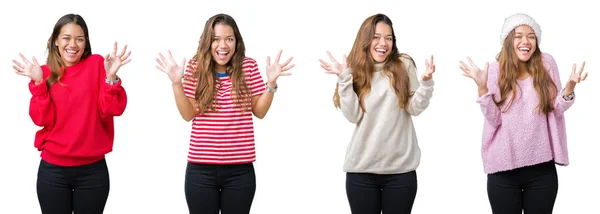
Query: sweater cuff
(114, 88)
(345, 76)
(428, 83)
(39, 89)
(483, 98)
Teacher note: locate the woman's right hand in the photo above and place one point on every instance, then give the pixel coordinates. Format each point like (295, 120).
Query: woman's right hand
(29, 69)
(335, 67)
(170, 67)
(479, 76)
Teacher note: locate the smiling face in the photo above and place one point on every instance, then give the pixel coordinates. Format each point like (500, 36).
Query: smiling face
(71, 43)
(382, 42)
(524, 43)
(223, 46)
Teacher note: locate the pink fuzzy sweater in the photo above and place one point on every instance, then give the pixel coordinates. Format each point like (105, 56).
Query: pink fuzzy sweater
(521, 136)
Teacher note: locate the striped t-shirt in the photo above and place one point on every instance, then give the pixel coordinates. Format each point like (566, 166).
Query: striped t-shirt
(227, 135)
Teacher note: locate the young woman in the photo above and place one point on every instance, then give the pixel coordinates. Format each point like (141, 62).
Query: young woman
(74, 98)
(524, 130)
(378, 90)
(220, 90)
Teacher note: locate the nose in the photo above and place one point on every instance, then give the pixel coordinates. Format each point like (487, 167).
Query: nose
(72, 43)
(222, 42)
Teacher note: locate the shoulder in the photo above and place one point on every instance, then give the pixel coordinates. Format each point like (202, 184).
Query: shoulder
(95, 57)
(249, 65)
(248, 61)
(407, 60)
(548, 61)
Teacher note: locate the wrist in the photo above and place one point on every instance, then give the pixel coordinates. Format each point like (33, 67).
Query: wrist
(272, 84)
(111, 77)
(482, 90)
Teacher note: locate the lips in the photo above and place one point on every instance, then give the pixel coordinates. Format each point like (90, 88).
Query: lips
(222, 54)
(380, 51)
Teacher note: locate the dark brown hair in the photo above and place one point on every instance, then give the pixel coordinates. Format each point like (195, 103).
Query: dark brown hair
(206, 88)
(362, 64)
(509, 70)
(54, 60)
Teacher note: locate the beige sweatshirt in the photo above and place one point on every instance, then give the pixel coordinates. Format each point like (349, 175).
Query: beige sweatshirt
(384, 140)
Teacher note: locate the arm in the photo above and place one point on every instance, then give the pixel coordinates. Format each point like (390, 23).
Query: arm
(112, 99)
(185, 93)
(560, 104)
(41, 108)
(261, 99)
(491, 112)
(422, 93)
(348, 98)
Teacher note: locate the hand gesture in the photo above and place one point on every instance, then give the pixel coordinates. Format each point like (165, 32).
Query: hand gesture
(335, 67)
(112, 62)
(275, 70)
(577, 76)
(472, 71)
(170, 67)
(28, 69)
(430, 69)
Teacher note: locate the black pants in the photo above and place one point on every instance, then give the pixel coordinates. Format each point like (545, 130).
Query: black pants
(531, 189)
(79, 189)
(228, 188)
(374, 193)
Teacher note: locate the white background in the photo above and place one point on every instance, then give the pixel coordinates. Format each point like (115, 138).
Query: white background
(302, 141)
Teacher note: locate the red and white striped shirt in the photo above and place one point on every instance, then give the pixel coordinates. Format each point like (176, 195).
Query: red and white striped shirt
(227, 135)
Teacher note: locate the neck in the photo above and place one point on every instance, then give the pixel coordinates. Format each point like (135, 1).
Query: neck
(220, 69)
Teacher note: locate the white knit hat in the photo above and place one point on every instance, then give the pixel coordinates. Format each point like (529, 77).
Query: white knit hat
(517, 20)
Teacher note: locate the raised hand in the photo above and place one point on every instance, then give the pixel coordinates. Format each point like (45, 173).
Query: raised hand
(335, 67)
(472, 71)
(576, 77)
(275, 70)
(170, 67)
(28, 69)
(112, 62)
(430, 69)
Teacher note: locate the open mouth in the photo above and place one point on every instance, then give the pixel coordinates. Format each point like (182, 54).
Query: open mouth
(222, 54)
(524, 49)
(380, 51)
(71, 52)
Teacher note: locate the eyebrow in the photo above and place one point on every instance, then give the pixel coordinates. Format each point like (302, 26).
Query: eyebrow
(378, 34)
(524, 33)
(70, 35)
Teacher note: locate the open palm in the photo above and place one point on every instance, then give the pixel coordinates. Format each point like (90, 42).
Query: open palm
(112, 62)
(28, 69)
(472, 71)
(276, 69)
(170, 67)
(334, 67)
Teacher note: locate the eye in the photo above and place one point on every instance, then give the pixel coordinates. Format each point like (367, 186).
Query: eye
(80, 40)
(390, 39)
(532, 37)
(230, 39)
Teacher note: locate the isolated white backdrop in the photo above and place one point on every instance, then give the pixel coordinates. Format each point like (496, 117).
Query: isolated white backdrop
(302, 141)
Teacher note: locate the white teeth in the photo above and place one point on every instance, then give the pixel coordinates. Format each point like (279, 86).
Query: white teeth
(381, 50)
(222, 53)
(524, 49)
(71, 52)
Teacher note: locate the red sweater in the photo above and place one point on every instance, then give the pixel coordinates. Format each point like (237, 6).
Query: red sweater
(76, 114)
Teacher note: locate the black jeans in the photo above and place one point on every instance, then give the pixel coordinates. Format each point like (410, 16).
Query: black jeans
(532, 189)
(228, 188)
(79, 189)
(373, 193)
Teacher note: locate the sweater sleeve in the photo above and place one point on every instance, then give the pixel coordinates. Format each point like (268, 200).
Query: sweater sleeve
(560, 104)
(112, 99)
(422, 92)
(491, 112)
(41, 108)
(348, 98)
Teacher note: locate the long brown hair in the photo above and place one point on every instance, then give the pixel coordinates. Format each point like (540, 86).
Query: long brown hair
(362, 64)
(207, 80)
(509, 70)
(54, 61)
